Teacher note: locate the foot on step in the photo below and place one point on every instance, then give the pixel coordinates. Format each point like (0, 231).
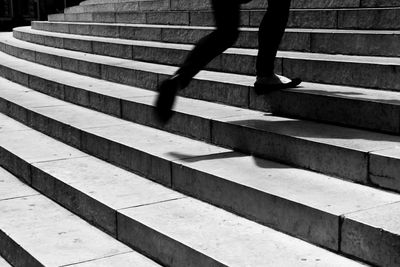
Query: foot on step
(274, 82)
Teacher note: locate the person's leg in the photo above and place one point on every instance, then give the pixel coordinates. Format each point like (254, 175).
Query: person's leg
(270, 36)
(227, 17)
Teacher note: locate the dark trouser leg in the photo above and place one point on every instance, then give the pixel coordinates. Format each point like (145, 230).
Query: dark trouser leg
(227, 16)
(270, 35)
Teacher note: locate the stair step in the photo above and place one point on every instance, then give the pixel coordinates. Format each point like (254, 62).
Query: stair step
(29, 219)
(301, 133)
(349, 42)
(362, 71)
(337, 104)
(213, 121)
(88, 186)
(355, 18)
(164, 158)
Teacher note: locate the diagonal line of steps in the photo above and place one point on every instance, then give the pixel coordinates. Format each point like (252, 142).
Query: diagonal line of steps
(302, 203)
(363, 71)
(350, 42)
(362, 19)
(165, 225)
(28, 219)
(165, 192)
(342, 105)
(352, 154)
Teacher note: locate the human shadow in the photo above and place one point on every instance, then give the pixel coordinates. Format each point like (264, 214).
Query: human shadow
(311, 130)
(258, 161)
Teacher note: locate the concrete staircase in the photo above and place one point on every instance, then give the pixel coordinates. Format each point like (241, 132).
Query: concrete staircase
(301, 177)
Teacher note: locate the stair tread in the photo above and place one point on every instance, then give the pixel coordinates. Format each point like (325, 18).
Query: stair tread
(33, 219)
(230, 239)
(10, 187)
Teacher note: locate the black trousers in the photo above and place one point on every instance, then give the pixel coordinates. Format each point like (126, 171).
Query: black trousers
(227, 19)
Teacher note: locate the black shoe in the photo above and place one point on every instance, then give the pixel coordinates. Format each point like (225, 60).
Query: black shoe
(263, 88)
(166, 98)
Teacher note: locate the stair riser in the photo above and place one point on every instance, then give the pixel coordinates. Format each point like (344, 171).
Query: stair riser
(185, 5)
(328, 43)
(373, 19)
(377, 76)
(313, 70)
(374, 243)
(341, 110)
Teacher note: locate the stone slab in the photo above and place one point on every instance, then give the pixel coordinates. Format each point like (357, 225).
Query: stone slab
(101, 189)
(13, 188)
(34, 220)
(373, 235)
(143, 149)
(37, 154)
(208, 236)
(373, 18)
(325, 148)
(385, 168)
